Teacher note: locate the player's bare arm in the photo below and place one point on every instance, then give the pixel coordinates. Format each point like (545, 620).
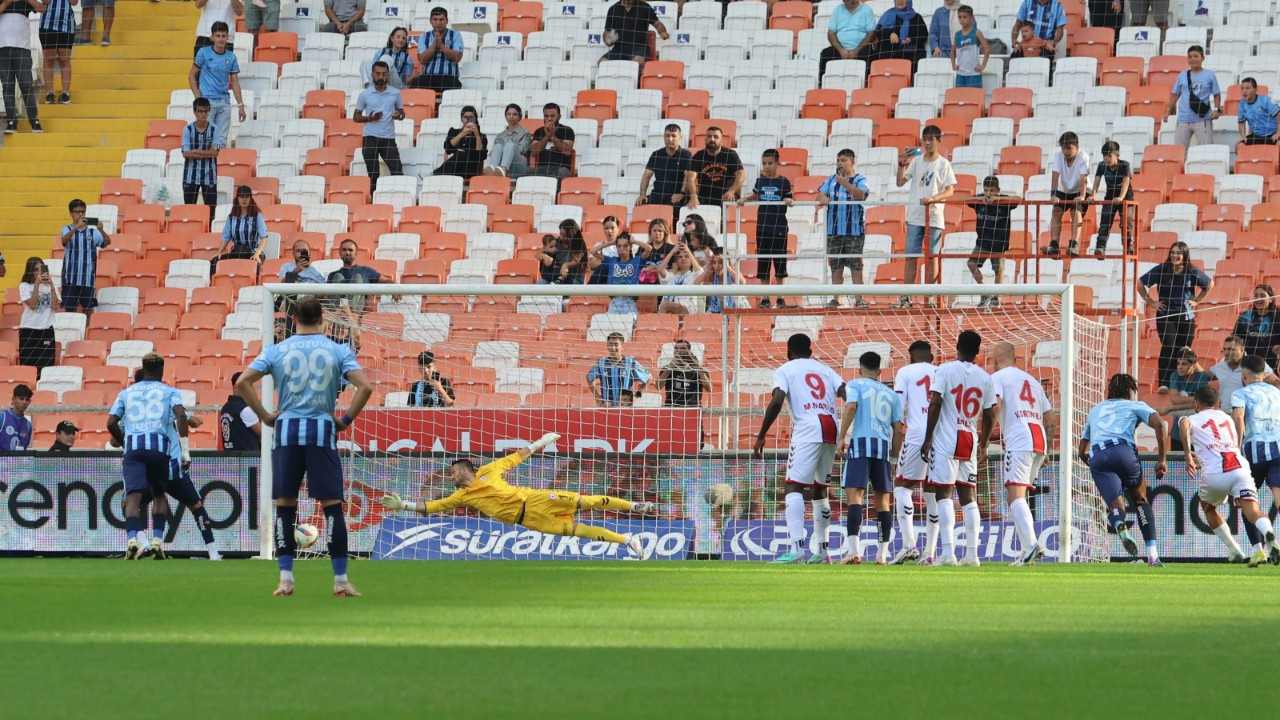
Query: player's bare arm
(1237, 418)
(364, 390)
(846, 421)
(935, 411)
(245, 386)
(1184, 430)
(770, 415)
(1162, 444)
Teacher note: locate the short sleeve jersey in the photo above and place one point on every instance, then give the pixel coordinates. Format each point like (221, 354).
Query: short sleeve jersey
(912, 384)
(1213, 437)
(878, 409)
(966, 391)
(146, 413)
(308, 372)
(1022, 408)
(1261, 404)
(1112, 421)
(811, 389)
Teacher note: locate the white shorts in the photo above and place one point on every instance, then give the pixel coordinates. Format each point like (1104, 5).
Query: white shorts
(1021, 467)
(810, 463)
(1215, 488)
(911, 467)
(947, 470)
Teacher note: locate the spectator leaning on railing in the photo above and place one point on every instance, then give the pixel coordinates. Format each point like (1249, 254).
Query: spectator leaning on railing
(1257, 115)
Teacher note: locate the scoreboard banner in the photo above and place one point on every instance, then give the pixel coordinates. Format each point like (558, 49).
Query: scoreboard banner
(466, 538)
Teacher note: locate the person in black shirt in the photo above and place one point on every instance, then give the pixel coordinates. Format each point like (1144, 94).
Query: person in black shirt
(683, 380)
(466, 147)
(240, 426)
(771, 222)
(1176, 280)
(1259, 325)
(64, 437)
(660, 243)
(432, 390)
(994, 210)
(626, 28)
(716, 173)
(552, 145)
(668, 168)
(1118, 177)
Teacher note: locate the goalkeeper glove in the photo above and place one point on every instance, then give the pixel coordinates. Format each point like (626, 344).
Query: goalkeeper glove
(543, 441)
(391, 501)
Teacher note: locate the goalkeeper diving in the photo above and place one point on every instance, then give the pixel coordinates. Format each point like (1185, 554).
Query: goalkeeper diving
(548, 511)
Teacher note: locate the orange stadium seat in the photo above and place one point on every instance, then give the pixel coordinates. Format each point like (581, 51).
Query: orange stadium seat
(1125, 72)
(276, 47)
(1024, 161)
(793, 15)
(372, 219)
(1010, 102)
(85, 353)
(121, 192)
(1094, 42)
(492, 192)
(188, 219)
(516, 271)
(145, 273)
(687, 104)
(109, 326)
(1164, 160)
(266, 190)
(223, 353)
(1265, 218)
(825, 104)
(897, 132)
(664, 75)
(1258, 160)
(344, 134)
(498, 305)
(126, 247)
(1226, 218)
(213, 299)
(1149, 102)
(419, 105)
(283, 219)
(1196, 189)
(327, 162)
(584, 192)
(325, 105)
(165, 134)
(142, 219)
(1163, 70)
(643, 215)
(966, 104)
(235, 274)
(520, 17)
(155, 326)
(891, 75)
(514, 219)
(793, 162)
(871, 103)
(352, 191)
(86, 398)
(200, 327)
(599, 105)
(420, 219)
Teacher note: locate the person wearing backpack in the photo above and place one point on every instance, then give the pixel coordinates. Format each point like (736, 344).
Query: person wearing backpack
(1191, 95)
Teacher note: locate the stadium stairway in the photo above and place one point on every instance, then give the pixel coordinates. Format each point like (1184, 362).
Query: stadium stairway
(115, 92)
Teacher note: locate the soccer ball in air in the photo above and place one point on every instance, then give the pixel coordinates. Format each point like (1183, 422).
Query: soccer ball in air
(306, 535)
(719, 494)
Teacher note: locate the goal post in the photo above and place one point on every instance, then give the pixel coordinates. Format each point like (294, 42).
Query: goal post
(518, 358)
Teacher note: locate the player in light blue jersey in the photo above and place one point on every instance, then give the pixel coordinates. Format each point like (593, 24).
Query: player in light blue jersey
(308, 370)
(1107, 445)
(150, 410)
(1255, 408)
(875, 412)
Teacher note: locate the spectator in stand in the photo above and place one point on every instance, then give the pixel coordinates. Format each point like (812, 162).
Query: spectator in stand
(378, 108)
(15, 426)
(215, 74)
(571, 259)
(352, 273)
(1048, 21)
(679, 267)
(262, 15)
(1117, 176)
(345, 16)
(1227, 370)
(244, 235)
(1069, 178)
(715, 172)
(301, 270)
(439, 52)
(1027, 44)
(851, 34)
(700, 242)
(548, 269)
(36, 344)
(994, 211)
(616, 373)
(1186, 379)
(1107, 14)
(240, 426)
(1159, 16)
(1191, 93)
(846, 222)
(964, 51)
(771, 222)
(212, 11)
(1176, 281)
(552, 145)
(466, 147)
(1260, 325)
(396, 56)
(64, 437)
(509, 156)
(621, 270)
(86, 21)
(15, 62)
(932, 180)
(81, 242)
(200, 157)
(626, 30)
(902, 34)
(720, 271)
(659, 239)
(668, 168)
(433, 390)
(943, 27)
(57, 36)
(683, 380)
(1257, 113)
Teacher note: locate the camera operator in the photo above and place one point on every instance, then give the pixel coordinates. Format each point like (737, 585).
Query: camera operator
(432, 390)
(300, 270)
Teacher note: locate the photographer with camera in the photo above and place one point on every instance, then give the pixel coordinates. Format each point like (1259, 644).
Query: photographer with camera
(432, 390)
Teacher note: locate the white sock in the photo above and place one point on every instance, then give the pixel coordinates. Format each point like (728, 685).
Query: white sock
(213, 550)
(1024, 523)
(931, 523)
(882, 549)
(340, 578)
(822, 522)
(904, 508)
(947, 527)
(286, 575)
(853, 546)
(795, 520)
(1264, 526)
(144, 537)
(1224, 534)
(1151, 553)
(972, 527)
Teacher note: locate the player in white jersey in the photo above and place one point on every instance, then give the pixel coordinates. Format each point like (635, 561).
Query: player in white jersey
(955, 440)
(912, 385)
(1027, 423)
(810, 389)
(1224, 473)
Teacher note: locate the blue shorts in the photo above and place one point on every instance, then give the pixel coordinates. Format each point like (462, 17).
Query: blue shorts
(1265, 471)
(915, 239)
(103, 3)
(320, 465)
(858, 471)
(626, 51)
(78, 295)
(146, 470)
(969, 81)
(1115, 469)
(181, 488)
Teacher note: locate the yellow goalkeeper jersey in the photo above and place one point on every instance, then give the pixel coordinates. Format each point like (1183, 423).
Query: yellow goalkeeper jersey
(489, 493)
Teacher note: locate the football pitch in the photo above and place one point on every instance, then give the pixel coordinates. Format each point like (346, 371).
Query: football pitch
(184, 638)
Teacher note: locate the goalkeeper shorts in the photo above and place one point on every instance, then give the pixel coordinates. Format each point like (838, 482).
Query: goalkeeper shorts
(550, 511)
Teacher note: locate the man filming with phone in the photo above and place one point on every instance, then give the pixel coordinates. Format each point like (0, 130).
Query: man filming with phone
(301, 270)
(432, 390)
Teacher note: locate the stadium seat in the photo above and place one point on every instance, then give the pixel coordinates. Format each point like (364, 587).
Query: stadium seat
(1094, 42)
(325, 105)
(165, 134)
(121, 192)
(276, 47)
(155, 327)
(873, 104)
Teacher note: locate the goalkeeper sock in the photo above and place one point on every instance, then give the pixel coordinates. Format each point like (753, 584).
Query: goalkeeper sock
(904, 507)
(603, 502)
(884, 519)
(1115, 518)
(1255, 538)
(972, 527)
(931, 528)
(1024, 523)
(795, 521)
(132, 526)
(600, 534)
(853, 526)
(203, 524)
(286, 543)
(158, 522)
(822, 523)
(335, 526)
(1224, 534)
(947, 527)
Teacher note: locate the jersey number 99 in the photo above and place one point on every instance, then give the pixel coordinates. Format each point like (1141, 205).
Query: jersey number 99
(304, 370)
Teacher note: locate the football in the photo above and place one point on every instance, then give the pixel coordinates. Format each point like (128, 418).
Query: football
(719, 494)
(306, 535)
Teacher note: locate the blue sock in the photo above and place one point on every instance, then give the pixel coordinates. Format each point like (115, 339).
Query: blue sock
(853, 519)
(885, 520)
(1255, 537)
(133, 526)
(286, 543)
(1115, 518)
(203, 523)
(158, 525)
(336, 527)
(1147, 523)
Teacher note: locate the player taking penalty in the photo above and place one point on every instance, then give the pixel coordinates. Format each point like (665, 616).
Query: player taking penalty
(547, 511)
(875, 413)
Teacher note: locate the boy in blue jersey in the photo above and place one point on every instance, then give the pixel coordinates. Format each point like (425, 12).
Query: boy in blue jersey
(1255, 408)
(1257, 113)
(15, 426)
(615, 373)
(846, 222)
(875, 412)
(149, 409)
(308, 370)
(1107, 445)
(80, 244)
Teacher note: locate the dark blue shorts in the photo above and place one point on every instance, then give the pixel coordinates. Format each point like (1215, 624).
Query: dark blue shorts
(146, 470)
(320, 465)
(78, 295)
(859, 471)
(626, 51)
(181, 488)
(1115, 469)
(1266, 471)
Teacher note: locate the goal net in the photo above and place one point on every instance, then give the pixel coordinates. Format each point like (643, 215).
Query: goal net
(660, 407)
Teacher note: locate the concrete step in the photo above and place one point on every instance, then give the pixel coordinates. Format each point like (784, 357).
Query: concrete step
(99, 168)
(86, 95)
(52, 158)
(124, 107)
(62, 132)
(44, 185)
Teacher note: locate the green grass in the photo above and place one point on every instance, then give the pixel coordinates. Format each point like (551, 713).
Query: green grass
(100, 638)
